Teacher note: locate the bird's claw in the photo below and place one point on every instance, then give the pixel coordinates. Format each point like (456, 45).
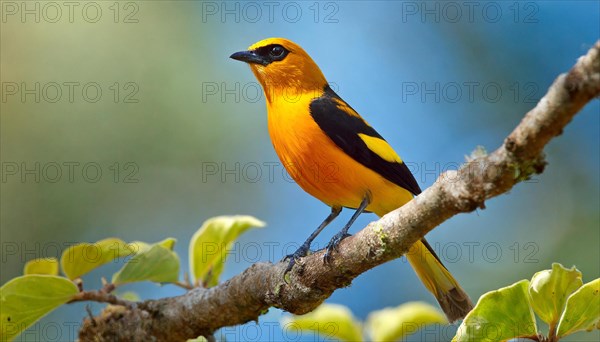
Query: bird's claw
(333, 246)
(299, 253)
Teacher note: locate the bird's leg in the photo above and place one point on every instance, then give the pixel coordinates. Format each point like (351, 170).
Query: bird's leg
(303, 250)
(342, 234)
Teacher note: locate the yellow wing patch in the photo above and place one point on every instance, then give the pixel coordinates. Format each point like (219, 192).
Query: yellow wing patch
(381, 148)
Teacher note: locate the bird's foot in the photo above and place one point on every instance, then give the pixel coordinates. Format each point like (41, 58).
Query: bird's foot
(299, 253)
(333, 245)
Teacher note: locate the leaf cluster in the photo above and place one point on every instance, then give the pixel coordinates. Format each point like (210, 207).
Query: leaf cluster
(41, 289)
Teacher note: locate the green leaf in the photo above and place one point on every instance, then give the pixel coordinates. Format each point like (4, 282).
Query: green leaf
(549, 290)
(156, 263)
(48, 266)
(130, 296)
(198, 339)
(140, 246)
(209, 246)
(25, 299)
(582, 311)
(392, 324)
(331, 321)
(168, 243)
(82, 258)
(500, 315)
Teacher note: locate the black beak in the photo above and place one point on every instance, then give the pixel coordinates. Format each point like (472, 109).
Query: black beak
(249, 57)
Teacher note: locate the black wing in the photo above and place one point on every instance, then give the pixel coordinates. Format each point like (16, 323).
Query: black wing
(343, 125)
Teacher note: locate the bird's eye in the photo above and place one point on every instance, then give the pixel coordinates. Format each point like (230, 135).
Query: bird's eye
(277, 51)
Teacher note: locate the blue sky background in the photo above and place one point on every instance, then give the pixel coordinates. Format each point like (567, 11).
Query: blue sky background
(197, 108)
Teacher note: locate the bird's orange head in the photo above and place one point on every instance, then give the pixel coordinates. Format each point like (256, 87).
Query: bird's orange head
(282, 66)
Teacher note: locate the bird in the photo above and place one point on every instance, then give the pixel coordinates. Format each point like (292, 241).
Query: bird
(333, 154)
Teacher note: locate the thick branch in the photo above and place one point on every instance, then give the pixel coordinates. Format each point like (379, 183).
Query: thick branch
(246, 296)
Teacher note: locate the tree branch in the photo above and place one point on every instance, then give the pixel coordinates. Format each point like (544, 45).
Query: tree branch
(103, 295)
(246, 296)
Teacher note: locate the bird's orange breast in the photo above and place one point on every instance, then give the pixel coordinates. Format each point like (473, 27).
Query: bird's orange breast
(320, 167)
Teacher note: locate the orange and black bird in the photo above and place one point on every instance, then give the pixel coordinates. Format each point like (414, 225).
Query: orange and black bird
(312, 128)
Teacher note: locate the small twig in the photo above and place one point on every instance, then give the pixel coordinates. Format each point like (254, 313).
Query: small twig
(108, 288)
(88, 309)
(183, 284)
(186, 278)
(102, 296)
